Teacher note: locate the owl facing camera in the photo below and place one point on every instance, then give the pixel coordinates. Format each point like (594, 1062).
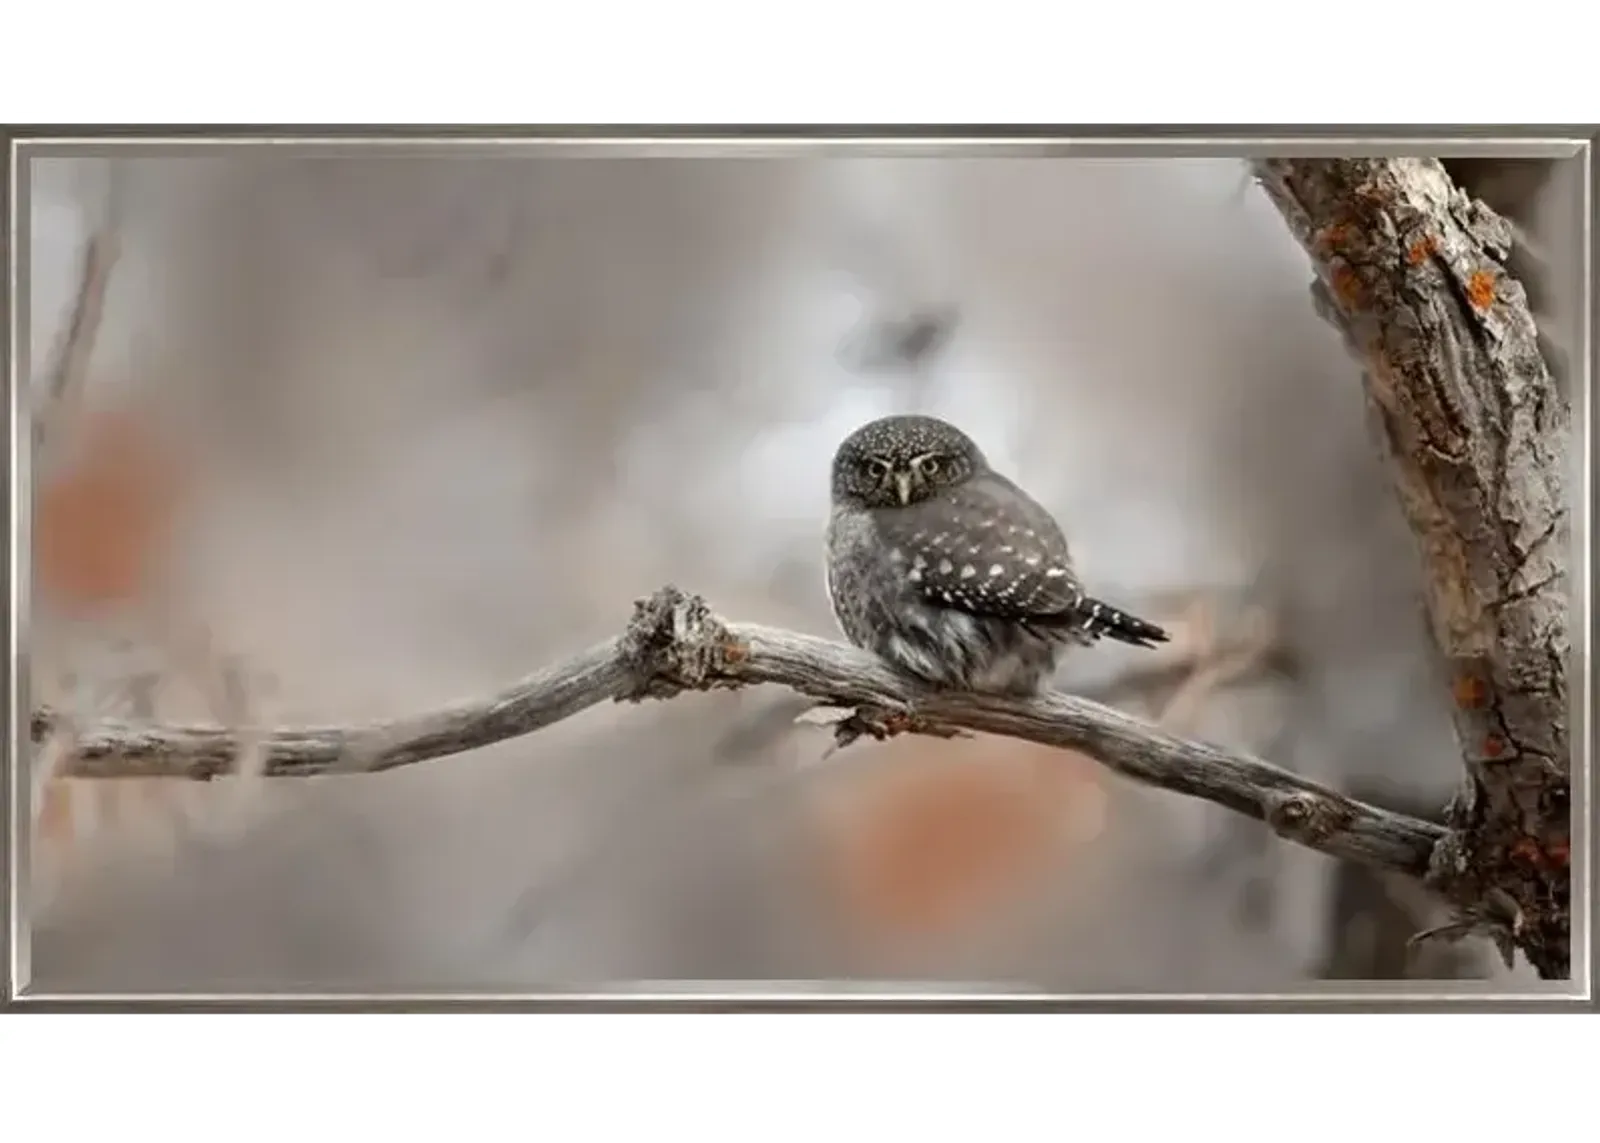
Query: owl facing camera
(948, 571)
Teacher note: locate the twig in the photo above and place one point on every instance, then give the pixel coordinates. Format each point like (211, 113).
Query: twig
(1220, 637)
(675, 644)
(69, 368)
(54, 407)
(1217, 664)
(905, 343)
(1411, 271)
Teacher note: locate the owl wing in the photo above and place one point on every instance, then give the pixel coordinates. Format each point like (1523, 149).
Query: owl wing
(987, 548)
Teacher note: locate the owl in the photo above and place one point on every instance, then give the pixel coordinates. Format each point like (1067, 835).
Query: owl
(948, 571)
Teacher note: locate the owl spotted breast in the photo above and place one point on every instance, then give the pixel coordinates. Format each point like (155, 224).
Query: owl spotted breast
(950, 572)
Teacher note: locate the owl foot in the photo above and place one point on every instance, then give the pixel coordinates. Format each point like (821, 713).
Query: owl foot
(879, 722)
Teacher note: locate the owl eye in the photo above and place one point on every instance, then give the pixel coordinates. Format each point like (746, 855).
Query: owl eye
(877, 469)
(929, 466)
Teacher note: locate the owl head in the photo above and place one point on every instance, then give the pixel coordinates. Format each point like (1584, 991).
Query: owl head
(895, 462)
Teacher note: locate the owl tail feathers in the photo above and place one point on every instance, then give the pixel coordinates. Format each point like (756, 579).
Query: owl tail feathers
(1099, 620)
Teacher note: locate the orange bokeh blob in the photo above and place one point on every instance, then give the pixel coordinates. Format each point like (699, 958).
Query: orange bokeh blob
(929, 846)
(54, 826)
(102, 528)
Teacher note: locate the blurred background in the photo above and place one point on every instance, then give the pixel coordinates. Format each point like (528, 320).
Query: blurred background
(361, 436)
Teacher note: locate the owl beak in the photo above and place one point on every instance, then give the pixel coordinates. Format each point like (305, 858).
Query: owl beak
(902, 483)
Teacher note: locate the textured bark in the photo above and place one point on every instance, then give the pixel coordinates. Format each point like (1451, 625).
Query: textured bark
(1412, 272)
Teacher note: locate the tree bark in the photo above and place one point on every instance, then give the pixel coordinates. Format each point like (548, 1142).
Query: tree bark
(1412, 272)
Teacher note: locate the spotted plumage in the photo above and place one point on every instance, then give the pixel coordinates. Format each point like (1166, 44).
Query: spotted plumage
(948, 570)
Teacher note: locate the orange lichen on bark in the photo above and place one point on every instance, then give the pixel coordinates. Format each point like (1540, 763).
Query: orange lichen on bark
(102, 529)
(1526, 851)
(1471, 692)
(1421, 250)
(1333, 238)
(735, 652)
(1494, 746)
(1347, 285)
(1480, 289)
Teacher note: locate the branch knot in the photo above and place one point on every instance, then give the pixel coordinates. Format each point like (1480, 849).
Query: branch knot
(1305, 817)
(675, 643)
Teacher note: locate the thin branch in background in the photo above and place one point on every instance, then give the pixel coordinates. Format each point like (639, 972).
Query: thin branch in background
(61, 397)
(1226, 639)
(1210, 627)
(1219, 664)
(55, 406)
(900, 343)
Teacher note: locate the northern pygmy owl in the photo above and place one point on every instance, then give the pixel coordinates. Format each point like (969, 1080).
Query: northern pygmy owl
(950, 572)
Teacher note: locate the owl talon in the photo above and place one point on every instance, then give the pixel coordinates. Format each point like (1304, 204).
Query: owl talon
(851, 723)
(869, 721)
(884, 716)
